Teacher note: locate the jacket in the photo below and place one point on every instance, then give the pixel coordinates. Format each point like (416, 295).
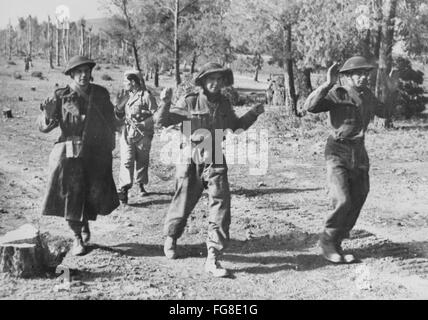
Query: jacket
(81, 184)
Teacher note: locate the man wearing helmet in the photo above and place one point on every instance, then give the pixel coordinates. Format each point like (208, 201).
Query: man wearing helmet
(206, 112)
(350, 107)
(81, 184)
(135, 107)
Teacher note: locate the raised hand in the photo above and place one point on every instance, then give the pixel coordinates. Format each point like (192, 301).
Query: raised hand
(333, 74)
(48, 107)
(166, 95)
(121, 99)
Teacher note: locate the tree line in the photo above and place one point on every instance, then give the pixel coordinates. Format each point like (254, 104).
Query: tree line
(300, 36)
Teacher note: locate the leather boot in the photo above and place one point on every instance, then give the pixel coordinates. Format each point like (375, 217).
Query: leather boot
(78, 248)
(143, 191)
(86, 232)
(123, 195)
(170, 248)
(329, 249)
(213, 266)
(347, 258)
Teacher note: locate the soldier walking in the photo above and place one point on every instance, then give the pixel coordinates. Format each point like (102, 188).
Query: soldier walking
(80, 184)
(135, 108)
(205, 111)
(350, 107)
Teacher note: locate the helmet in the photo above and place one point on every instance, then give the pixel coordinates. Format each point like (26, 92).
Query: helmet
(78, 61)
(134, 72)
(211, 68)
(138, 74)
(355, 63)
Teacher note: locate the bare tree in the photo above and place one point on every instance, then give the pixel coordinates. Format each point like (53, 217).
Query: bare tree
(50, 43)
(385, 60)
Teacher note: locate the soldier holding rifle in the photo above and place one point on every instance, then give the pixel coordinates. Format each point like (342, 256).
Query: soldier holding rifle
(135, 108)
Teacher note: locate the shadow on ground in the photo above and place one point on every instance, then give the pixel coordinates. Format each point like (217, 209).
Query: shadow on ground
(261, 191)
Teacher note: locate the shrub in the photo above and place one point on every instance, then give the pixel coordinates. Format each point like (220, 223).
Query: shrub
(16, 75)
(106, 77)
(37, 74)
(11, 63)
(98, 68)
(411, 99)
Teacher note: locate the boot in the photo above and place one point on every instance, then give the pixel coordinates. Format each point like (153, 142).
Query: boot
(86, 232)
(347, 258)
(170, 248)
(123, 195)
(78, 248)
(329, 248)
(143, 191)
(213, 266)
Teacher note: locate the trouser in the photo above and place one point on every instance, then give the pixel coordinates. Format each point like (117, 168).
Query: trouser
(134, 156)
(349, 185)
(77, 226)
(191, 180)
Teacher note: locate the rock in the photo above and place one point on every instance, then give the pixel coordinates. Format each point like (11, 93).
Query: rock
(262, 184)
(33, 88)
(20, 99)
(3, 210)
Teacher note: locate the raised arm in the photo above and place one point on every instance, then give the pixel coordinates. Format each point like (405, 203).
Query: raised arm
(48, 120)
(317, 102)
(168, 116)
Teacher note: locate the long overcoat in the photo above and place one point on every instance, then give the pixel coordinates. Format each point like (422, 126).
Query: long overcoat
(83, 187)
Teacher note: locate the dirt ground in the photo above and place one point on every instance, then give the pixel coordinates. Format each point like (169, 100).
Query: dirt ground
(276, 216)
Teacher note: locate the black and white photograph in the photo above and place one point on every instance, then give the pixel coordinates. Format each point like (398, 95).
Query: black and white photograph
(221, 151)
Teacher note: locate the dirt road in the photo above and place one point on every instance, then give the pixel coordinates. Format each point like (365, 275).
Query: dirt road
(276, 219)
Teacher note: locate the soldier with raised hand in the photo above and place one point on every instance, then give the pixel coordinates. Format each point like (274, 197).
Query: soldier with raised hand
(350, 107)
(80, 184)
(205, 112)
(136, 106)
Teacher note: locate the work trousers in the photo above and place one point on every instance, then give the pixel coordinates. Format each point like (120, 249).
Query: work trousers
(349, 185)
(191, 181)
(134, 158)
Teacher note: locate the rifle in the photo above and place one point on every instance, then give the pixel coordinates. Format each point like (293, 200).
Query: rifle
(133, 125)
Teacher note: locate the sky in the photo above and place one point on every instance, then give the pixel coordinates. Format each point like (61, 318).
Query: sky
(12, 9)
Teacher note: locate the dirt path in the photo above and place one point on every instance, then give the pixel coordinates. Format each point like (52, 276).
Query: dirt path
(276, 219)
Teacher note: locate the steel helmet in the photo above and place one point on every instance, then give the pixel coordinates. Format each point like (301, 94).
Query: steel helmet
(78, 61)
(355, 63)
(211, 68)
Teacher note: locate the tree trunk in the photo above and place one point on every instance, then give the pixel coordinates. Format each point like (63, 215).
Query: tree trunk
(22, 253)
(100, 46)
(156, 82)
(307, 79)
(136, 58)
(193, 65)
(58, 45)
(90, 45)
(30, 36)
(50, 43)
(290, 90)
(177, 43)
(82, 39)
(385, 61)
(64, 43)
(10, 42)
